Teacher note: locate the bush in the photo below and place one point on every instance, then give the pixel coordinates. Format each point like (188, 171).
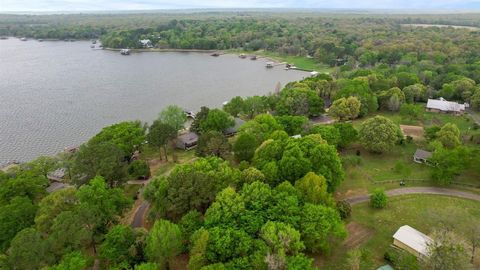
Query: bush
(351, 160)
(344, 209)
(139, 169)
(378, 199)
(401, 259)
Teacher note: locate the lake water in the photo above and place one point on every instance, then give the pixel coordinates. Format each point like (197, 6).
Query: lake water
(59, 94)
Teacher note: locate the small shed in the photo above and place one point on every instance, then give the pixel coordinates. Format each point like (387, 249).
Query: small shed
(412, 241)
(421, 156)
(187, 141)
(233, 130)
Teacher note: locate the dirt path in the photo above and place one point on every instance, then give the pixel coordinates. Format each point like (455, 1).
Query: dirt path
(419, 190)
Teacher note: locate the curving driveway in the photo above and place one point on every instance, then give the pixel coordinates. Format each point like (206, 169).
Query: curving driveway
(419, 190)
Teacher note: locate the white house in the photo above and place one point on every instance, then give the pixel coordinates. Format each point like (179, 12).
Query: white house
(146, 43)
(412, 241)
(442, 105)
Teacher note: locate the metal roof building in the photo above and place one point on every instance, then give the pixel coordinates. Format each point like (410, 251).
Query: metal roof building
(442, 105)
(412, 241)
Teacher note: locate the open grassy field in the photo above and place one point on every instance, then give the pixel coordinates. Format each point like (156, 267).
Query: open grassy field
(301, 62)
(423, 212)
(398, 164)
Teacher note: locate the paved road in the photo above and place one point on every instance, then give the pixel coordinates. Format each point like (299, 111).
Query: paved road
(137, 221)
(419, 190)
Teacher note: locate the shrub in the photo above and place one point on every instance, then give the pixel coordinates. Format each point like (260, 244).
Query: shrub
(139, 169)
(344, 209)
(351, 160)
(378, 199)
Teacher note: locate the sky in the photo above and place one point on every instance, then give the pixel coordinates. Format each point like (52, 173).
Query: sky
(98, 5)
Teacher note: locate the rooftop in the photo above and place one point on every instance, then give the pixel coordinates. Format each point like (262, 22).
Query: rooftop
(188, 137)
(413, 238)
(422, 154)
(444, 105)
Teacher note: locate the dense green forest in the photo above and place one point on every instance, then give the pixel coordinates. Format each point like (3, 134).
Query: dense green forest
(266, 197)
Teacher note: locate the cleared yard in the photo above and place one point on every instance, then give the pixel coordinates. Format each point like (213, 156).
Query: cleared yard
(416, 132)
(423, 212)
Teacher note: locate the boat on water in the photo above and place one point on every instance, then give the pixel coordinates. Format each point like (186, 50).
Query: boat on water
(92, 46)
(3, 37)
(215, 54)
(40, 40)
(253, 57)
(269, 65)
(125, 51)
(23, 39)
(243, 56)
(94, 41)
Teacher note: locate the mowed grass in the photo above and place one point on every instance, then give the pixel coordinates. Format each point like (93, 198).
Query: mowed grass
(398, 164)
(301, 62)
(423, 212)
(375, 169)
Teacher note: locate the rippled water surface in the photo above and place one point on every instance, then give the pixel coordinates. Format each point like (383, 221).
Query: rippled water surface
(58, 94)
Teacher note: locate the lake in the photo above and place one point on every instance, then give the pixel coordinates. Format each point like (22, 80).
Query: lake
(59, 94)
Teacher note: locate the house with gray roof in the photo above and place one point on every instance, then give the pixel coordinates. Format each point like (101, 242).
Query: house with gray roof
(422, 156)
(233, 130)
(187, 141)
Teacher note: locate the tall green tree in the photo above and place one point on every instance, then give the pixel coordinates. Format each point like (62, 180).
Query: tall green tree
(379, 134)
(104, 159)
(127, 136)
(159, 135)
(16, 215)
(217, 120)
(173, 116)
(164, 243)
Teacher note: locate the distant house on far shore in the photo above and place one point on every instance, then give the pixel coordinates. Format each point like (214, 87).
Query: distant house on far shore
(187, 141)
(443, 106)
(146, 43)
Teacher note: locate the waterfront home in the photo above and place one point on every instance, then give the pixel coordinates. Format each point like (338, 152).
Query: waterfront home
(187, 141)
(58, 175)
(234, 129)
(412, 241)
(444, 106)
(146, 43)
(422, 156)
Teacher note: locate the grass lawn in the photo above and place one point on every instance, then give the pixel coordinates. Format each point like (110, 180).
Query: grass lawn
(301, 62)
(423, 212)
(374, 168)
